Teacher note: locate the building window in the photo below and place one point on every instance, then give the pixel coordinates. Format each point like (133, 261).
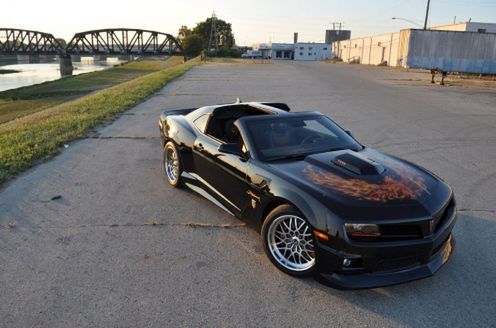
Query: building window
(481, 30)
(309, 53)
(325, 48)
(310, 48)
(301, 53)
(301, 48)
(278, 54)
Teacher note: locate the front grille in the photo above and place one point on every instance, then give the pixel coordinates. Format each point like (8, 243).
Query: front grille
(411, 230)
(396, 264)
(400, 231)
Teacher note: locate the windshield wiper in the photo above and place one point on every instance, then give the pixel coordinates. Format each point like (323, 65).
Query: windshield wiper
(303, 155)
(334, 149)
(290, 156)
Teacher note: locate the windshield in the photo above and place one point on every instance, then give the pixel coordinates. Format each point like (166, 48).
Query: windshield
(291, 137)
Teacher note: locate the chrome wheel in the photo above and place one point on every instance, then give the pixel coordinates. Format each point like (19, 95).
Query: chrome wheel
(171, 164)
(290, 242)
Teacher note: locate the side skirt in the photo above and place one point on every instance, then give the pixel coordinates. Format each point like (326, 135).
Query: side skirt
(189, 183)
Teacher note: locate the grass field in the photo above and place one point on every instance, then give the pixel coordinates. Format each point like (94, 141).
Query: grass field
(27, 100)
(39, 136)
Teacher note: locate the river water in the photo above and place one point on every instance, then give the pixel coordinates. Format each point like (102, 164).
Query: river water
(34, 73)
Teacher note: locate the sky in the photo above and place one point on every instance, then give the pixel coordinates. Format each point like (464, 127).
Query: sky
(252, 21)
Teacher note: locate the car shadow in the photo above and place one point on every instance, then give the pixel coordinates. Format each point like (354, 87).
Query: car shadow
(460, 294)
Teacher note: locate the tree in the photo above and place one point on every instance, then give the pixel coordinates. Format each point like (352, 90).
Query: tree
(225, 37)
(62, 42)
(192, 45)
(183, 33)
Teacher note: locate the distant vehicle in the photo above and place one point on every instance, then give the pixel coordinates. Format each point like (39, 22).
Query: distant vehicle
(325, 204)
(252, 54)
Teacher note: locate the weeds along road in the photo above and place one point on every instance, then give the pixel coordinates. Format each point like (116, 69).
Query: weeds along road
(99, 239)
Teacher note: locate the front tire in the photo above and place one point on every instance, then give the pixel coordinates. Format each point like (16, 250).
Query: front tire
(288, 241)
(172, 164)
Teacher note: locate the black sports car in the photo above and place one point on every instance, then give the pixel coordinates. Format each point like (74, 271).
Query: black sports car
(325, 204)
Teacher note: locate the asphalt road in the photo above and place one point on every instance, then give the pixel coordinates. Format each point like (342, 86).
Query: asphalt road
(100, 240)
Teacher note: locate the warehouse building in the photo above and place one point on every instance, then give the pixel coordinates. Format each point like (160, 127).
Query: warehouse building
(468, 27)
(371, 50)
(465, 47)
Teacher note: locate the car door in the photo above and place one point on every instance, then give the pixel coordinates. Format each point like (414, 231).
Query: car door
(223, 174)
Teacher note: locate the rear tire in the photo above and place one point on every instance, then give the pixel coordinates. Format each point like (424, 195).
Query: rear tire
(288, 242)
(172, 164)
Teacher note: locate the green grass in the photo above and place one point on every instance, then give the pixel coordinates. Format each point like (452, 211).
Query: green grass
(39, 136)
(27, 100)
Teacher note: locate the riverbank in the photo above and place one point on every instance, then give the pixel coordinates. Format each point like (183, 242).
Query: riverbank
(39, 136)
(23, 101)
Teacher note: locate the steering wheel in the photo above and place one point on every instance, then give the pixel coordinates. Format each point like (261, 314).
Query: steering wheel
(310, 139)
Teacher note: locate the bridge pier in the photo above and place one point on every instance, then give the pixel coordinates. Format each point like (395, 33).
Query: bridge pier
(76, 58)
(99, 57)
(45, 58)
(126, 58)
(23, 59)
(65, 63)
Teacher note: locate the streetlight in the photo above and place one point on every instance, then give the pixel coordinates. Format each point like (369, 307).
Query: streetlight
(427, 14)
(407, 20)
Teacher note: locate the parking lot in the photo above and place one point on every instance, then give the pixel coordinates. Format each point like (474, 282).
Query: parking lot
(96, 238)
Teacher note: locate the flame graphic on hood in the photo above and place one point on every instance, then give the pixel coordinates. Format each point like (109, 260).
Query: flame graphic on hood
(402, 185)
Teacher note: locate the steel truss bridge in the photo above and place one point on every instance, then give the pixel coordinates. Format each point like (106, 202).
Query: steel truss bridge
(118, 41)
(15, 41)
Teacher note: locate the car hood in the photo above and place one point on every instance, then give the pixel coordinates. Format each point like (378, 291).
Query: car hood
(367, 184)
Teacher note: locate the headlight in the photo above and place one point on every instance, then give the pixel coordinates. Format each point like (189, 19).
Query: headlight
(362, 230)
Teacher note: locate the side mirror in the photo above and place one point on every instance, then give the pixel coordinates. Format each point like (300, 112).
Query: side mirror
(232, 148)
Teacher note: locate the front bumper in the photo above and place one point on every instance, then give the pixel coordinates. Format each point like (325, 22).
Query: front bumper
(383, 264)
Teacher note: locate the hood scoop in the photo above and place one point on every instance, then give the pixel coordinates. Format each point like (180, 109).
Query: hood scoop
(358, 164)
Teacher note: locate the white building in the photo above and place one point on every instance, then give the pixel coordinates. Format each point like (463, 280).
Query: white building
(312, 51)
(261, 46)
(282, 51)
(301, 51)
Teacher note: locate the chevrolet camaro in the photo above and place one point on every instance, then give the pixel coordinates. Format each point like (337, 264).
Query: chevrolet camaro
(324, 203)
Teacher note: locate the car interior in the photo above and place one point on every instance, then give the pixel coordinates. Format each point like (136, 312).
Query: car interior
(221, 125)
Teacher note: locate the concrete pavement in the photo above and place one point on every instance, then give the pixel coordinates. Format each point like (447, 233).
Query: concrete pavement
(101, 240)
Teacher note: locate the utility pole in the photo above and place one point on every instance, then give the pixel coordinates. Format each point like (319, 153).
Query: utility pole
(427, 14)
(212, 41)
(340, 25)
